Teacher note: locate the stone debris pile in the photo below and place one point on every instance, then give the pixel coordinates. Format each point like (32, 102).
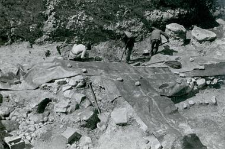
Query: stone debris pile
(197, 103)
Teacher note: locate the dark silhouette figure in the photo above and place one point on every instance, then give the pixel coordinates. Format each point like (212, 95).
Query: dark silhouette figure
(129, 40)
(156, 40)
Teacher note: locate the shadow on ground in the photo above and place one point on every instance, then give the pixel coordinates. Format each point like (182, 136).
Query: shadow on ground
(167, 51)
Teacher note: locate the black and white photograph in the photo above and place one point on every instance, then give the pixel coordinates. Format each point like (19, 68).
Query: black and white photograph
(112, 74)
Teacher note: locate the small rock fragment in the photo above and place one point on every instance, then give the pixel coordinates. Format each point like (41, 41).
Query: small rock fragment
(182, 75)
(179, 81)
(80, 80)
(146, 141)
(35, 118)
(32, 128)
(201, 83)
(213, 100)
(120, 79)
(195, 88)
(104, 117)
(185, 106)
(85, 104)
(191, 102)
(189, 80)
(191, 59)
(146, 52)
(202, 67)
(73, 106)
(84, 70)
(61, 82)
(86, 114)
(28, 138)
(4, 111)
(45, 119)
(206, 102)
(69, 65)
(208, 82)
(120, 116)
(68, 94)
(73, 82)
(137, 83)
(66, 87)
(101, 126)
(214, 82)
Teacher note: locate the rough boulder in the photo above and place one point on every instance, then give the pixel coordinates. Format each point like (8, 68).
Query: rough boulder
(202, 35)
(177, 33)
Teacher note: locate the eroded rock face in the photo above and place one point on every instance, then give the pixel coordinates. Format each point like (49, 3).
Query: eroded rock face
(202, 35)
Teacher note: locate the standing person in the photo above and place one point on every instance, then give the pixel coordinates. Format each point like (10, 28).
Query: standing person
(79, 52)
(129, 40)
(156, 40)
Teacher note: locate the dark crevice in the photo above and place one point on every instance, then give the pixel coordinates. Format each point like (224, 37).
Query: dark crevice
(192, 141)
(42, 105)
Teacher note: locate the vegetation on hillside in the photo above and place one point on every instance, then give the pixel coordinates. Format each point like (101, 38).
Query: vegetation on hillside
(91, 19)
